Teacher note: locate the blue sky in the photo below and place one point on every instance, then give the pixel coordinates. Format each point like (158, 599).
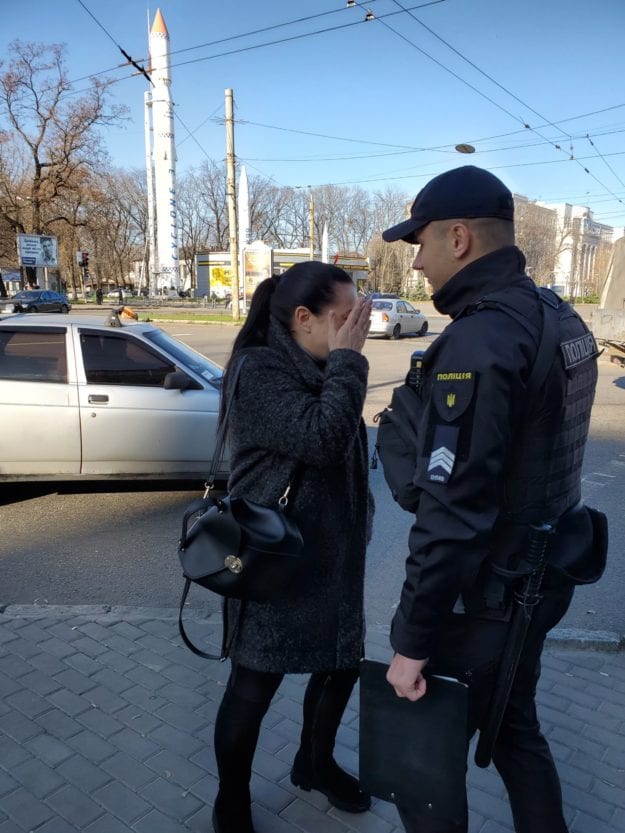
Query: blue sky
(385, 112)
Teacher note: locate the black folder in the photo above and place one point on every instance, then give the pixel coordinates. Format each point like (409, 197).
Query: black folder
(414, 753)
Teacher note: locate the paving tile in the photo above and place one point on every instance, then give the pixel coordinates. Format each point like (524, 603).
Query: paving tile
(23, 808)
(175, 768)
(170, 798)
(74, 806)
(83, 773)
(49, 749)
(121, 802)
(38, 777)
(157, 822)
(108, 824)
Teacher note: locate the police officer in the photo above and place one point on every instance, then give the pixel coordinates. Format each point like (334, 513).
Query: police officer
(490, 463)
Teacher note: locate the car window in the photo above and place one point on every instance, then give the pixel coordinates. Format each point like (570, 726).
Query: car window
(409, 307)
(184, 354)
(401, 307)
(121, 360)
(382, 305)
(30, 356)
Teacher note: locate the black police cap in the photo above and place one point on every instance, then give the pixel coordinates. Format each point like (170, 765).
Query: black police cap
(463, 193)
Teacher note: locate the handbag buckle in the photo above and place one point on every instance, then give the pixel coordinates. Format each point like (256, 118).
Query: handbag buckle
(233, 563)
(208, 488)
(283, 502)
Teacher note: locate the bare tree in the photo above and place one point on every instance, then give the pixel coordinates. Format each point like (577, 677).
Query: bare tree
(195, 218)
(50, 140)
(116, 225)
(537, 235)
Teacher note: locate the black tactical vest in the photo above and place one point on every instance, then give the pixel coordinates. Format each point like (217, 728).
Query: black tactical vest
(544, 477)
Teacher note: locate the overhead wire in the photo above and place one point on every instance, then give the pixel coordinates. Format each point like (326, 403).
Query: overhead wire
(130, 60)
(479, 92)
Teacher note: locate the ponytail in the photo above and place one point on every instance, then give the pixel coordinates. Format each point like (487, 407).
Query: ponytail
(254, 331)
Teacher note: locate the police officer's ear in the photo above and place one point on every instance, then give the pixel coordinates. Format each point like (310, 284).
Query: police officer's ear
(462, 240)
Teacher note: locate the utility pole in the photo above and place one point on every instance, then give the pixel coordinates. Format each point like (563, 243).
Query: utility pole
(311, 225)
(232, 204)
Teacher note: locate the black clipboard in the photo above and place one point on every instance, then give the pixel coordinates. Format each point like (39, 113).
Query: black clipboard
(414, 753)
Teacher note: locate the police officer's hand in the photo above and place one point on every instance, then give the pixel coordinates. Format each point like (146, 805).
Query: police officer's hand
(405, 676)
(352, 333)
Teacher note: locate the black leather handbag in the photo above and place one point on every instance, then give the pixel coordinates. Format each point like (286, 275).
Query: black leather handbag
(236, 547)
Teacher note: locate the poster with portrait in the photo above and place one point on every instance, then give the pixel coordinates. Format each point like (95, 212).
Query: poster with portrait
(37, 250)
(257, 265)
(220, 280)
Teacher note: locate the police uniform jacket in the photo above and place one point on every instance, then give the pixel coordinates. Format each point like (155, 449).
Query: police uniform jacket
(297, 420)
(490, 462)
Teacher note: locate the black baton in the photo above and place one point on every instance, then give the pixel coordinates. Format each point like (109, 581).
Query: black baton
(525, 600)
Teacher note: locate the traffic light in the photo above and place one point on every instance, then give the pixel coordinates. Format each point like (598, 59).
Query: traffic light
(85, 259)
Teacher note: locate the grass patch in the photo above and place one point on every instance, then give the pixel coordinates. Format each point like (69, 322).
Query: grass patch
(217, 318)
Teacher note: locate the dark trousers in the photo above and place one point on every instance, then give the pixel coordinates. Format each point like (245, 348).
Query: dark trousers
(470, 650)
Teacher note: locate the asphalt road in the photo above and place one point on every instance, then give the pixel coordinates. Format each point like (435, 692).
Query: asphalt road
(112, 543)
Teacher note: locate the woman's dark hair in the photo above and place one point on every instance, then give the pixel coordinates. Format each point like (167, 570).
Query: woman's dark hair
(310, 284)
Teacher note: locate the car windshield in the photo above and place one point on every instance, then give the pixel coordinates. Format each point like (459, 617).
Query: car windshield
(382, 305)
(26, 295)
(186, 355)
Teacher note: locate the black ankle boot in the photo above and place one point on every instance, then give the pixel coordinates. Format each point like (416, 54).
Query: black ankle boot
(340, 788)
(232, 814)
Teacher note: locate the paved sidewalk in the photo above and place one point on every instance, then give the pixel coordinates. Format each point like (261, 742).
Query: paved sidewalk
(106, 726)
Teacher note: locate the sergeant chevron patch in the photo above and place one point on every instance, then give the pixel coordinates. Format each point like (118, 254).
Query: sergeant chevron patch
(443, 454)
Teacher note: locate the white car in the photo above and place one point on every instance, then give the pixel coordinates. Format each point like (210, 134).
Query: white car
(114, 294)
(394, 317)
(88, 397)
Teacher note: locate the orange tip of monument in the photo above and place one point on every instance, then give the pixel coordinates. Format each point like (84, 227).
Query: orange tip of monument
(158, 27)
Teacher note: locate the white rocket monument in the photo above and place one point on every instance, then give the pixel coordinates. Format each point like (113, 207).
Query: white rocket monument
(162, 165)
(243, 205)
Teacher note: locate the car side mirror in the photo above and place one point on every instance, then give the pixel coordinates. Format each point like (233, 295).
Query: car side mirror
(178, 380)
(417, 310)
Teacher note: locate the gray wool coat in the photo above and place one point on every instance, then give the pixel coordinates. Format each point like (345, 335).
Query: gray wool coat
(297, 420)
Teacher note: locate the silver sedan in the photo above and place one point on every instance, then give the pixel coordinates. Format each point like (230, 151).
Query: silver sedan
(393, 318)
(93, 397)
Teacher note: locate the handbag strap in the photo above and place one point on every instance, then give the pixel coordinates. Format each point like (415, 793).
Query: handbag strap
(198, 651)
(223, 429)
(225, 645)
(221, 441)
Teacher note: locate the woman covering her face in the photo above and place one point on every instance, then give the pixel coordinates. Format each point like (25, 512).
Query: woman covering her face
(296, 418)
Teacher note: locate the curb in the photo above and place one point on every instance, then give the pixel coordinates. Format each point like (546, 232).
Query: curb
(566, 638)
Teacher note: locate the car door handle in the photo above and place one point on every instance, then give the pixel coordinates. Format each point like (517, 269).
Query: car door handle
(97, 398)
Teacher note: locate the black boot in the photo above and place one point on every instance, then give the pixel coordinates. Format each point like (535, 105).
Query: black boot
(236, 735)
(314, 766)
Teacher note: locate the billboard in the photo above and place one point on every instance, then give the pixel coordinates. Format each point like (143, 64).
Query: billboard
(37, 250)
(257, 265)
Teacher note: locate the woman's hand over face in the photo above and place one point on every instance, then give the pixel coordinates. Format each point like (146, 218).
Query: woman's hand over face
(352, 333)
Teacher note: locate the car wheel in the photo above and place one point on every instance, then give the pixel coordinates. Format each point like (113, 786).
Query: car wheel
(33, 309)
(64, 308)
(424, 329)
(396, 331)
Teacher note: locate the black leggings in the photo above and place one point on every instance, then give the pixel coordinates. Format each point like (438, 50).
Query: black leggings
(260, 686)
(245, 703)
